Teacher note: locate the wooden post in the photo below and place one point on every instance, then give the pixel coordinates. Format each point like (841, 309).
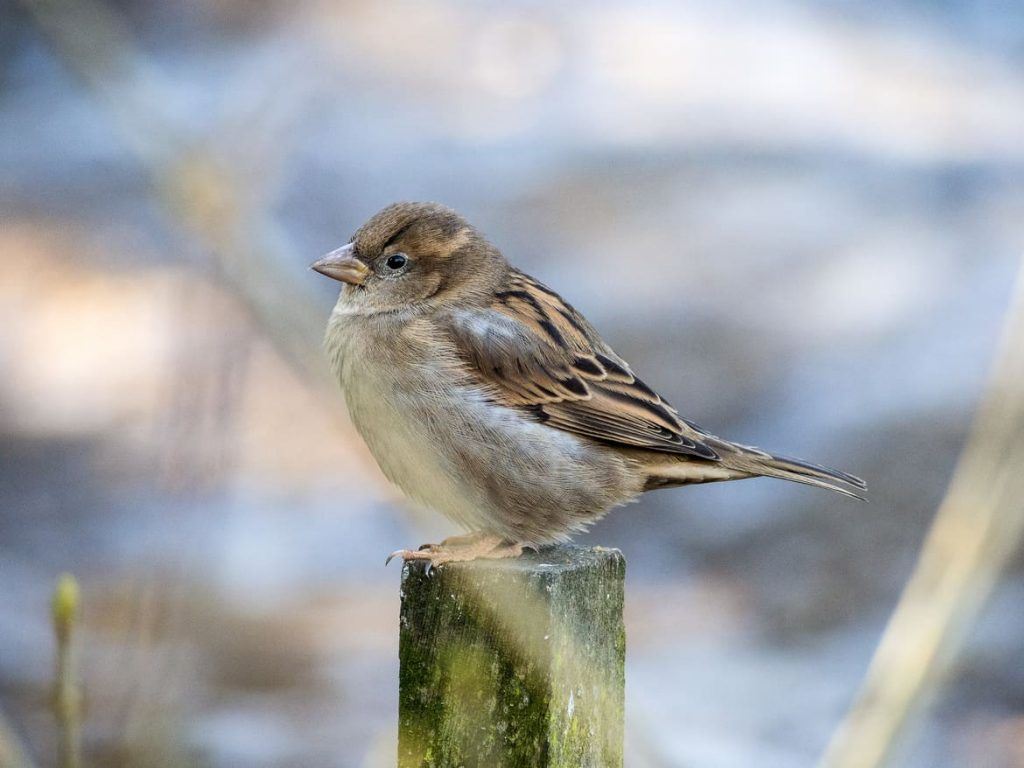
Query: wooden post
(513, 663)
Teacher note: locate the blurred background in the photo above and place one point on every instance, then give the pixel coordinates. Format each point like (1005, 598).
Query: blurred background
(823, 203)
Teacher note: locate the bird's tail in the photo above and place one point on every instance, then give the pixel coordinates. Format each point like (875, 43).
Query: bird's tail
(759, 463)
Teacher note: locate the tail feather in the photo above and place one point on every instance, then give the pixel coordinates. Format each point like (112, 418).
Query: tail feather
(754, 462)
(812, 474)
(759, 463)
(736, 462)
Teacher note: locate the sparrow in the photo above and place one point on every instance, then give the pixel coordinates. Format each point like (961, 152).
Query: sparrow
(484, 395)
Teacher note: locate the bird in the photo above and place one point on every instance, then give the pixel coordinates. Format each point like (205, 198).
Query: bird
(485, 396)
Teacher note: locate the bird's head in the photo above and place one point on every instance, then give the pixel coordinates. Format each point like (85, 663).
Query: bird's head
(413, 254)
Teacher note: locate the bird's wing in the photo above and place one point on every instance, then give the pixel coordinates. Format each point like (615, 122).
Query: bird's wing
(531, 350)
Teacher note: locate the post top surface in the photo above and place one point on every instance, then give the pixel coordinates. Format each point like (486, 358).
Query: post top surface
(555, 559)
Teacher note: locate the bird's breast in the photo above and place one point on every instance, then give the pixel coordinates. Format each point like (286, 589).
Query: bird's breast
(448, 446)
(406, 405)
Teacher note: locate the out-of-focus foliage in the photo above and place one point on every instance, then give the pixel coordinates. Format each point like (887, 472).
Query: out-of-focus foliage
(798, 220)
(977, 532)
(67, 696)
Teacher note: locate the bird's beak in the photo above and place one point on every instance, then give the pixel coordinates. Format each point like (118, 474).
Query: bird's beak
(342, 265)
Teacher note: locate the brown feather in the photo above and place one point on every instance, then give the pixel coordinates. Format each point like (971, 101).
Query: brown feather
(565, 375)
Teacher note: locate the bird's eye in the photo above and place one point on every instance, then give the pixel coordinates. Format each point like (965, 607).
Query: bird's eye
(396, 261)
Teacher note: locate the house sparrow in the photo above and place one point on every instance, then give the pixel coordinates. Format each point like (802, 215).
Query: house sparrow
(484, 395)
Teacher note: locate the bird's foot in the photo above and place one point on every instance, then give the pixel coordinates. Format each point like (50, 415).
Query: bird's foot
(461, 549)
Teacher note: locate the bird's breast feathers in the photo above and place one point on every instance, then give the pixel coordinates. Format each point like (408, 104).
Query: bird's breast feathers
(440, 437)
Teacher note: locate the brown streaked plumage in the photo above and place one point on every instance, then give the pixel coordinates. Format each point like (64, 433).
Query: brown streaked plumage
(486, 396)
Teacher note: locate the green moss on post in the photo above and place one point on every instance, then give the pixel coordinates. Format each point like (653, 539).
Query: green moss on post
(513, 663)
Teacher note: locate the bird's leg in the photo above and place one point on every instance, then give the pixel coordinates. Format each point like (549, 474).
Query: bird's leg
(460, 549)
(465, 539)
(457, 542)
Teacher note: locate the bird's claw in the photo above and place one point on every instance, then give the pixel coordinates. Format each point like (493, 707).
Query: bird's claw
(426, 553)
(459, 549)
(405, 554)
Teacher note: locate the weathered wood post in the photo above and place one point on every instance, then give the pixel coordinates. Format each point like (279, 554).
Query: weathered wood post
(513, 663)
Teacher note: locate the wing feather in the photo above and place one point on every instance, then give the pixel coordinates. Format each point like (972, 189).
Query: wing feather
(532, 350)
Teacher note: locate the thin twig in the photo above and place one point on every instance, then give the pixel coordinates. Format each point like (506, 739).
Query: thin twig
(976, 531)
(67, 698)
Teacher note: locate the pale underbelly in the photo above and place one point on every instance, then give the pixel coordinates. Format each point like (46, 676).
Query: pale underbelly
(487, 467)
